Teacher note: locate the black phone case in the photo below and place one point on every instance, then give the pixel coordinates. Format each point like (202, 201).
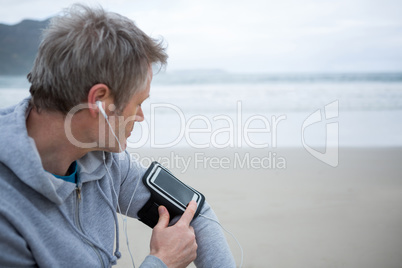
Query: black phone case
(149, 215)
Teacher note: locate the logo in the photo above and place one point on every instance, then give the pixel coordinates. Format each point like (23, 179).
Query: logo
(330, 156)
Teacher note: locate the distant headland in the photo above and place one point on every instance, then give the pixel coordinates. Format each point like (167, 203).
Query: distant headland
(18, 46)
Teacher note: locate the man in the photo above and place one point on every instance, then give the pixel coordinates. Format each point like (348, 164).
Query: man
(59, 189)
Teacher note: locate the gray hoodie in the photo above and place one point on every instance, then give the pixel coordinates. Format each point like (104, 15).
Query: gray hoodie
(48, 222)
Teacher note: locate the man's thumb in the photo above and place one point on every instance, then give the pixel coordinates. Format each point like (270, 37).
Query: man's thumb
(163, 217)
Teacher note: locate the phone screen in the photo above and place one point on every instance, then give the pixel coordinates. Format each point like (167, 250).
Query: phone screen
(175, 188)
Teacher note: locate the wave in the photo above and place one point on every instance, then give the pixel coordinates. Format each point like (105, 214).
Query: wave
(221, 77)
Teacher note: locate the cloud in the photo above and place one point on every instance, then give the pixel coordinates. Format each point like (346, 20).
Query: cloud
(289, 35)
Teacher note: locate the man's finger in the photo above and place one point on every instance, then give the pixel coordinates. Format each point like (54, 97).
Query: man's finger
(188, 215)
(163, 217)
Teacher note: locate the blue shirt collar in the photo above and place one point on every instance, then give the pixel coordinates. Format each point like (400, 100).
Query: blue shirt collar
(73, 174)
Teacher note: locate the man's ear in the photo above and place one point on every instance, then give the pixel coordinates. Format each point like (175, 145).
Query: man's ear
(99, 92)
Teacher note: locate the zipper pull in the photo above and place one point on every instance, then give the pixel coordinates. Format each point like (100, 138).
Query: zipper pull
(78, 189)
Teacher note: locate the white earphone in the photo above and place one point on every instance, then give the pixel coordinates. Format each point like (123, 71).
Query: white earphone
(99, 104)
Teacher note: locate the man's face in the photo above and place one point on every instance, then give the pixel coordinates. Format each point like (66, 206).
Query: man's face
(131, 113)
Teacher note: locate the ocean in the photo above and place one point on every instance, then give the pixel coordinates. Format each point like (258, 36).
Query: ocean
(215, 109)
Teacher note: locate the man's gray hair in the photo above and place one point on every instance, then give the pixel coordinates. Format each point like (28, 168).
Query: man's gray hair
(86, 46)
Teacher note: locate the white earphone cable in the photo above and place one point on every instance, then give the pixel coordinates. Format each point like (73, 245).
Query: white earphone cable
(123, 217)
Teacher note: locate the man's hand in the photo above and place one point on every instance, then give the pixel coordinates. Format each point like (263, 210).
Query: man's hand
(175, 245)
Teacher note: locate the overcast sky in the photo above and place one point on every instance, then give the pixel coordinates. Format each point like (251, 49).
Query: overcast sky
(257, 36)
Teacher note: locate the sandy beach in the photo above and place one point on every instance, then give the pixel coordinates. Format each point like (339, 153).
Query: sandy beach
(298, 211)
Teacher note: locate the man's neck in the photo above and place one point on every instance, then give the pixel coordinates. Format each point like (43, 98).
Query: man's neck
(55, 150)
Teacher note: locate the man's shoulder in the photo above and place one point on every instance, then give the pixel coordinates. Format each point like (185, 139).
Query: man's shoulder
(10, 185)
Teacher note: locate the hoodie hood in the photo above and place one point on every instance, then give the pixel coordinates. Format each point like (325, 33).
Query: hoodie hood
(20, 155)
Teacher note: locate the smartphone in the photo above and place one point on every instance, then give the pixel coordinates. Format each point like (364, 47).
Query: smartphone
(169, 191)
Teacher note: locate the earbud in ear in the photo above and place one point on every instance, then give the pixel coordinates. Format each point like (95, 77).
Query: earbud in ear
(99, 104)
